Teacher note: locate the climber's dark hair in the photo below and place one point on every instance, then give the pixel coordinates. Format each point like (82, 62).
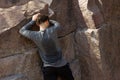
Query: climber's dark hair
(42, 18)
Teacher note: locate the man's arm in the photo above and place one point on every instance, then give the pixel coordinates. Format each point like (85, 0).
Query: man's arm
(56, 24)
(58, 27)
(25, 29)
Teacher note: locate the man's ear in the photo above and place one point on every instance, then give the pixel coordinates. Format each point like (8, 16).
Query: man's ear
(46, 22)
(37, 24)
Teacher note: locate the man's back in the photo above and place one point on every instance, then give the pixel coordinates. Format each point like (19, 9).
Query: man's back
(46, 41)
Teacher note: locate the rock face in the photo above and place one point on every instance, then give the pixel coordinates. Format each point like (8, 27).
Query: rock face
(15, 77)
(18, 55)
(90, 38)
(110, 40)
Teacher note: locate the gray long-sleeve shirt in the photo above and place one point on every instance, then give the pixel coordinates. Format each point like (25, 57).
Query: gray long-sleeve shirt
(47, 42)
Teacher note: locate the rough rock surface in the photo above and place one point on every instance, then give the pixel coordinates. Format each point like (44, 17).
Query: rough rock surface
(90, 38)
(15, 77)
(109, 38)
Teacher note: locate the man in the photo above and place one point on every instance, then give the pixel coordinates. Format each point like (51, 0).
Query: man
(54, 64)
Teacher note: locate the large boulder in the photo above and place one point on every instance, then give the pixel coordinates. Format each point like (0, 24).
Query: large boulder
(89, 38)
(14, 16)
(80, 20)
(109, 38)
(18, 55)
(94, 25)
(27, 63)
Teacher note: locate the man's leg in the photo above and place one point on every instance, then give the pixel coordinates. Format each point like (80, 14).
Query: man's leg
(65, 73)
(49, 73)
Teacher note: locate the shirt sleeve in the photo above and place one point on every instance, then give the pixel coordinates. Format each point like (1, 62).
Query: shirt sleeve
(56, 24)
(26, 32)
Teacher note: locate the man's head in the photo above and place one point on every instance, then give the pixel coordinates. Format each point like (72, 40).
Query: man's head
(42, 20)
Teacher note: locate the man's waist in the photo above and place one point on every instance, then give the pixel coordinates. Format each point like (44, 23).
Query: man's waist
(58, 63)
(52, 58)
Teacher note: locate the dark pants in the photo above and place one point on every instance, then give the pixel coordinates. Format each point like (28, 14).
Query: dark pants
(52, 73)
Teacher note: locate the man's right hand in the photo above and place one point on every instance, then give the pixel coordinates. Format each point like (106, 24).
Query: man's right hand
(34, 17)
